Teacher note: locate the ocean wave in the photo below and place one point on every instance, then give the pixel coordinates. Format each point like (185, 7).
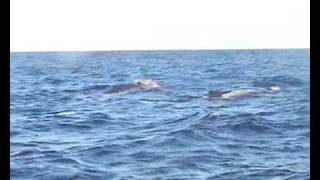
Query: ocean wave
(147, 156)
(282, 81)
(172, 142)
(101, 116)
(96, 87)
(54, 81)
(250, 126)
(66, 126)
(248, 123)
(74, 126)
(26, 152)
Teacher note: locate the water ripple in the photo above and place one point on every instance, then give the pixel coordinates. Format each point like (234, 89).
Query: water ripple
(64, 124)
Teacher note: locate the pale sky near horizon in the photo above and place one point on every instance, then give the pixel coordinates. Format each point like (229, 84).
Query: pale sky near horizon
(93, 25)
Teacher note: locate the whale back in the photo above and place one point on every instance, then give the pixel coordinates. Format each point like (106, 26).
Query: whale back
(216, 93)
(121, 88)
(240, 93)
(147, 84)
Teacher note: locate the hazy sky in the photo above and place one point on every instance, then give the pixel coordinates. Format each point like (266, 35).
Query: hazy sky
(47, 25)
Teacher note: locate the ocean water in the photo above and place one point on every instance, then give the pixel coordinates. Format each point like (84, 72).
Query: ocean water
(64, 125)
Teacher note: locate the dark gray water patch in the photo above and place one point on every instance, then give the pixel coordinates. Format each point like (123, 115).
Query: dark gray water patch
(96, 87)
(141, 142)
(32, 113)
(265, 113)
(25, 173)
(230, 174)
(151, 100)
(163, 105)
(232, 146)
(107, 150)
(269, 173)
(184, 164)
(74, 126)
(258, 147)
(51, 154)
(54, 81)
(98, 122)
(39, 127)
(100, 119)
(23, 144)
(230, 74)
(100, 116)
(247, 123)
(291, 148)
(66, 98)
(51, 142)
(158, 172)
(305, 134)
(302, 109)
(126, 176)
(118, 163)
(282, 81)
(212, 70)
(207, 151)
(38, 72)
(26, 152)
(172, 142)
(123, 138)
(147, 157)
(206, 122)
(89, 89)
(65, 161)
(298, 175)
(71, 91)
(119, 76)
(188, 133)
(57, 176)
(201, 158)
(250, 127)
(185, 118)
(92, 173)
(186, 98)
(210, 116)
(105, 153)
(14, 133)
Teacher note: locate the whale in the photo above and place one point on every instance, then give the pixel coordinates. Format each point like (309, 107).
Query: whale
(122, 88)
(138, 85)
(147, 84)
(241, 93)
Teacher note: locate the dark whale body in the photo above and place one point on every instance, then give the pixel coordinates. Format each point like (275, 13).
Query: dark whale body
(216, 93)
(122, 88)
(143, 84)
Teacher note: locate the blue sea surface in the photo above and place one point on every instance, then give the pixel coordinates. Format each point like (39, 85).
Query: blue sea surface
(64, 125)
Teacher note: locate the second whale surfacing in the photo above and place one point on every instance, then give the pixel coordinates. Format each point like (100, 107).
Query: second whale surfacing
(138, 85)
(241, 93)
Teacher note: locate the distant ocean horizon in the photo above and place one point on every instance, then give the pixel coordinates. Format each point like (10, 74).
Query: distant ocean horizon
(64, 123)
(159, 50)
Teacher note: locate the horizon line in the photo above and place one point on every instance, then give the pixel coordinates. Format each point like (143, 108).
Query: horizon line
(148, 50)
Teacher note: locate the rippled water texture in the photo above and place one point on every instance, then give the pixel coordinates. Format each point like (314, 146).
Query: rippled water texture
(65, 126)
